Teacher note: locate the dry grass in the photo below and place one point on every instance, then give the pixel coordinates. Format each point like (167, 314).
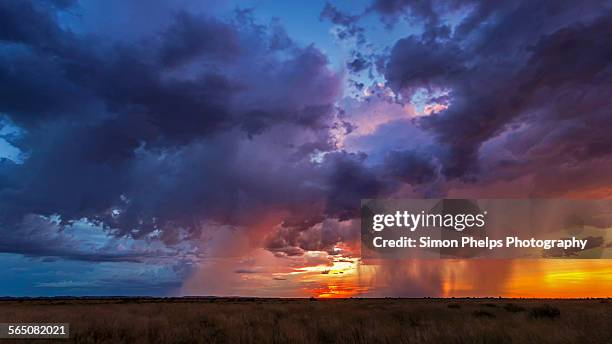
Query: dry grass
(322, 321)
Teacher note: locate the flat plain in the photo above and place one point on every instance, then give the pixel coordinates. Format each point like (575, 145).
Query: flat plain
(252, 320)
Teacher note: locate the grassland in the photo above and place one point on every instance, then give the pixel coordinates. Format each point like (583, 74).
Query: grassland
(229, 320)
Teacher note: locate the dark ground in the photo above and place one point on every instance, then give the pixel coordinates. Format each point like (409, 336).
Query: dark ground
(243, 320)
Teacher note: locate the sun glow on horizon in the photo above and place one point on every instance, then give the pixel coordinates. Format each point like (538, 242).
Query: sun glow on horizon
(520, 279)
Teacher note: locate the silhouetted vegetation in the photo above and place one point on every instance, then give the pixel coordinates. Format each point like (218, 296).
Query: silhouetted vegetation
(511, 307)
(242, 320)
(545, 311)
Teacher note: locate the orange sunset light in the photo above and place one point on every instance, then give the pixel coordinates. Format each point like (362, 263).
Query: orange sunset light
(518, 279)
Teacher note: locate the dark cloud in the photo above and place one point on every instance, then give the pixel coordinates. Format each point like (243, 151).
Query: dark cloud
(189, 37)
(358, 64)
(245, 271)
(347, 23)
(592, 243)
(16, 18)
(279, 39)
(159, 78)
(337, 17)
(322, 225)
(349, 181)
(410, 167)
(392, 10)
(62, 4)
(37, 236)
(162, 133)
(294, 240)
(499, 75)
(427, 13)
(415, 63)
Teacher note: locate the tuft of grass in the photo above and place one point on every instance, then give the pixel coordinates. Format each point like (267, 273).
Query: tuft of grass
(545, 311)
(454, 306)
(513, 308)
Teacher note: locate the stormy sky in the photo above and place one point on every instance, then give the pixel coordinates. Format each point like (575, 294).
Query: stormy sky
(206, 147)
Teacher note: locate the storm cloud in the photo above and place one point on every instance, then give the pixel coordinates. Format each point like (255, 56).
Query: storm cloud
(498, 74)
(147, 135)
(150, 135)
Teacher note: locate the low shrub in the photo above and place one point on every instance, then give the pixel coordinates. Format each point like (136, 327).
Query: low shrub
(545, 311)
(511, 307)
